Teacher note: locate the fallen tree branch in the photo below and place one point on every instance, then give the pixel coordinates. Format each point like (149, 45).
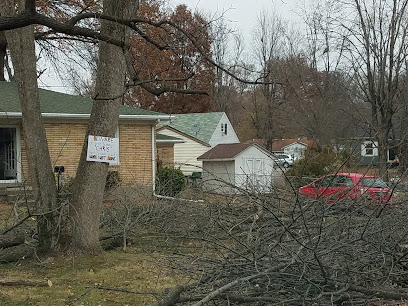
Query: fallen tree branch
(16, 253)
(121, 290)
(380, 293)
(11, 239)
(220, 290)
(25, 282)
(171, 298)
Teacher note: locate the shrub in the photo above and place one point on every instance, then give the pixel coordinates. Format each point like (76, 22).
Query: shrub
(316, 163)
(169, 181)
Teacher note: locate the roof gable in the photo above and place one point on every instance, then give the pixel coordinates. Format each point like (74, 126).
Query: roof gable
(197, 125)
(294, 143)
(229, 151)
(182, 134)
(58, 103)
(279, 145)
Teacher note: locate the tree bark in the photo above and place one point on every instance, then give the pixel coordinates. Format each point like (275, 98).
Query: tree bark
(3, 53)
(90, 179)
(382, 155)
(22, 49)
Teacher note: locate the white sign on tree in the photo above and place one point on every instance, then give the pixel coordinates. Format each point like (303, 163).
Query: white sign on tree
(103, 149)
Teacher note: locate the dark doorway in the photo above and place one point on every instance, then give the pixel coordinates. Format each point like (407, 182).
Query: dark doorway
(8, 154)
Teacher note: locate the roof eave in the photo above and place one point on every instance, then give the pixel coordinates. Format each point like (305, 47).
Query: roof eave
(170, 141)
(296, 142)
(86, 116)
(217, 159)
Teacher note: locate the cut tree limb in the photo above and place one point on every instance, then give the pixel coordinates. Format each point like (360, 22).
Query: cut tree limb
(16, 253)
(25, 282)
(12, 239)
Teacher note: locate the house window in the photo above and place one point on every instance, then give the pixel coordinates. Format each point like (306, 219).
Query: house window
(369, 148)
(224, 129)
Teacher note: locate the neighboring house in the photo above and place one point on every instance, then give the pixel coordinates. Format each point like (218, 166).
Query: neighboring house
(365, 146)
(368, 149)
(244, 165)
(65, 119)
(165, 150)
(294, 147)
(200, 132)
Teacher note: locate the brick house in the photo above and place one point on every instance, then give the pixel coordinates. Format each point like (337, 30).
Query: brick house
(65, 118)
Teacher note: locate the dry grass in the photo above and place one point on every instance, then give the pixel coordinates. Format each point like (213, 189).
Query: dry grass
(137, 269)
(71, 278)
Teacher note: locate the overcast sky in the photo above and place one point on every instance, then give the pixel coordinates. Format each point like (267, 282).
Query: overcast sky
(243, 14)
(240, 14)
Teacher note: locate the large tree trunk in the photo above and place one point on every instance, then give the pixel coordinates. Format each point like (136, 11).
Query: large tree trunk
(3, 53)
(22, 49)
(382, 154)
(90, 179)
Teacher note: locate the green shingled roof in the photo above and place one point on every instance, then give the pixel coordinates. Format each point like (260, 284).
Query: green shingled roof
(57, 103)
(198, 125)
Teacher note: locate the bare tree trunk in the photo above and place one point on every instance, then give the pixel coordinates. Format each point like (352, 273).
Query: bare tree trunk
(382, 154)
(90, 179)
(3, 53)
(22, 48)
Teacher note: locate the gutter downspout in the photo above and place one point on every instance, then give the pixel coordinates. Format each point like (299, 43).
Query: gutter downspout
(153, 160)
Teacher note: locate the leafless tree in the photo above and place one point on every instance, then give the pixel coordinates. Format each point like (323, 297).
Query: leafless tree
(270, 48)
(374, 39)
(226, 90)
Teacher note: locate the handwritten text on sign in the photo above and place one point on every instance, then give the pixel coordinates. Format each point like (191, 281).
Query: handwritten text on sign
(103, 149)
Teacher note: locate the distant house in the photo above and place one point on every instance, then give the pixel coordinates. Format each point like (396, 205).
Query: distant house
(65, 119)
(294, 147)
(366, 148)
(199, 132)
(244, 165)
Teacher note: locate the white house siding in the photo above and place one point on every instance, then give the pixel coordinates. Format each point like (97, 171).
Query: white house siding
(219, 137)
(254, 169)
(296, 149)
(186, 153)
(219, 176)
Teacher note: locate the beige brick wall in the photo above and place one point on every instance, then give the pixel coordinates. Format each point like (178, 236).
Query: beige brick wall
(165, 154)
(135, 145)
(65, 141)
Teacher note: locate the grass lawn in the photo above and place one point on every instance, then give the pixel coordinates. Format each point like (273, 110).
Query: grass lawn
(132, 270)
(137, 269)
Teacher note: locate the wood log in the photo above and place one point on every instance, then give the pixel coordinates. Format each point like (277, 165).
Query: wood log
(25, 282)
(16, 253)
(12, 239)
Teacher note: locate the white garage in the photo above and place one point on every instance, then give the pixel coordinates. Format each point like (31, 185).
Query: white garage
(229, 168)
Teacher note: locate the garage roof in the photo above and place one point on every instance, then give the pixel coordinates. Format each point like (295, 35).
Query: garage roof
(228, 151)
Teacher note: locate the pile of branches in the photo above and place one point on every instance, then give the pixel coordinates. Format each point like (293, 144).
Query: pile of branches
(267, 249)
